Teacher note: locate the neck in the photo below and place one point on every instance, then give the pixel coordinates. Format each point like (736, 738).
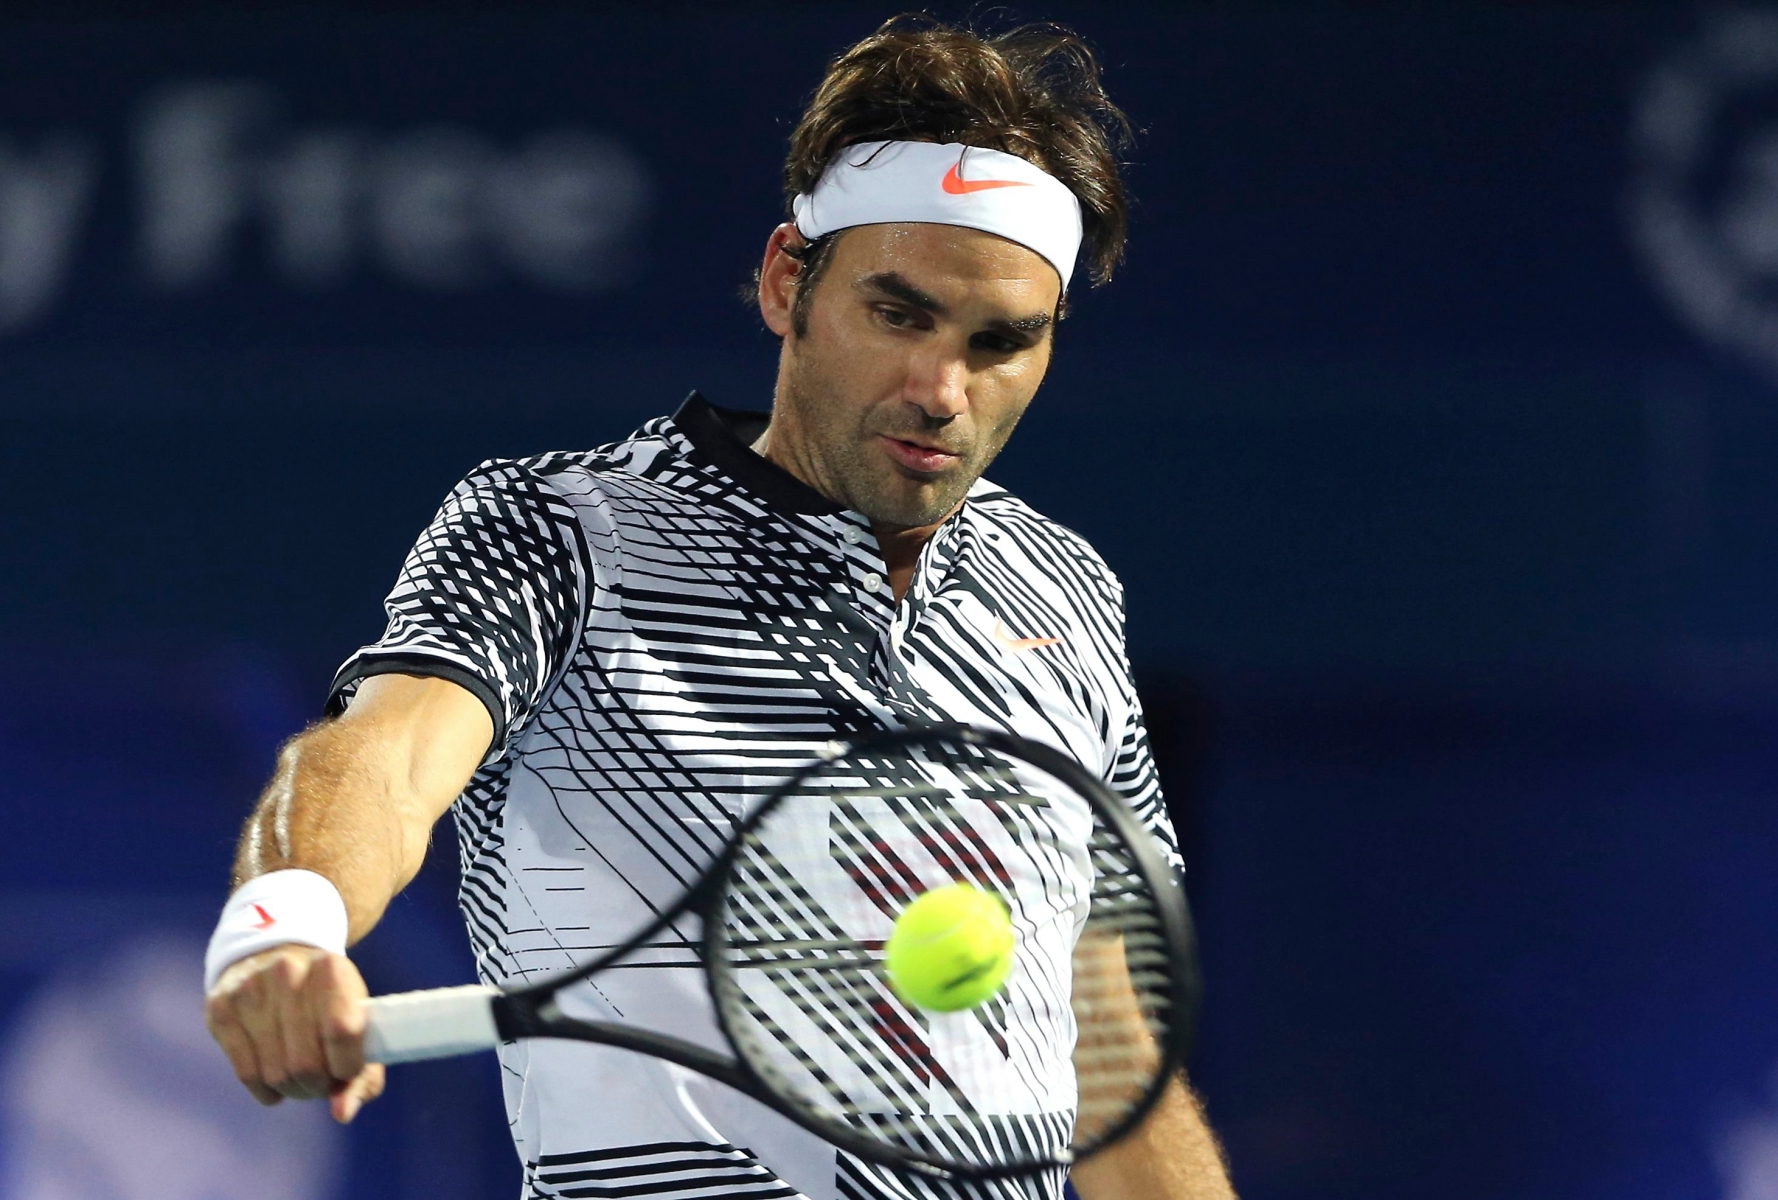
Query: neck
(901, 550)
(900, 544)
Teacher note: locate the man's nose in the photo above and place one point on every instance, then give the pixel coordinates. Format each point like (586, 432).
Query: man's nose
(938, 383)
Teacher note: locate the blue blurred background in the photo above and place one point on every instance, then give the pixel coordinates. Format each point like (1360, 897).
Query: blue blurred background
(1433, 426)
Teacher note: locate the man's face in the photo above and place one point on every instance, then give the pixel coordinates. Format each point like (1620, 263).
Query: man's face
(923, 346)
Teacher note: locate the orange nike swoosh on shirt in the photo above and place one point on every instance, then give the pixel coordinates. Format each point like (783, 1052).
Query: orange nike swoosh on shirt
(956, 185)
(1017, 644)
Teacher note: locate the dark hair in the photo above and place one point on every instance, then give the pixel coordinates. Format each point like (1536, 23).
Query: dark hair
(1033, 91)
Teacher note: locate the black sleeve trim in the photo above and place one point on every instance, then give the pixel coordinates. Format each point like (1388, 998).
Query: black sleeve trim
(427, 667)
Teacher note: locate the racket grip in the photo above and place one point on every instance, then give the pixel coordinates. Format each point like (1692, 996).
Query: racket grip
(436, 1023)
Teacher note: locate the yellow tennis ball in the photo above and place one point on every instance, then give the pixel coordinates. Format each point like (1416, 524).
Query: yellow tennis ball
(951, 948)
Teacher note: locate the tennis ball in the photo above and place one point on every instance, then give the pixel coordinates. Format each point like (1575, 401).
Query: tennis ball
(951, 948)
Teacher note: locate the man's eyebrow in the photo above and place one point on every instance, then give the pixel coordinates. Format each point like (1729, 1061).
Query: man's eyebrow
(893, 283)
(1036, 323)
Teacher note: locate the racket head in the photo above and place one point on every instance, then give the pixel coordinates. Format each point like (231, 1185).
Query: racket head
(1067, 1057)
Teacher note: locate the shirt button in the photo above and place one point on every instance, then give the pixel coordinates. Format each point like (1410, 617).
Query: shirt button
(852, 536)
(873, 582)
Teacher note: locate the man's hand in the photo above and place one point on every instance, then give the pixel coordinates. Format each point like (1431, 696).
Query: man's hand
(353, 799)
(291, 1020)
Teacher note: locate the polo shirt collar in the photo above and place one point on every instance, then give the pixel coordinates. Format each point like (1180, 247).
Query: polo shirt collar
(724, 437)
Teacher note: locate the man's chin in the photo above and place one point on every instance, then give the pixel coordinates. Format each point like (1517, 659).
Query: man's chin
(926, 505)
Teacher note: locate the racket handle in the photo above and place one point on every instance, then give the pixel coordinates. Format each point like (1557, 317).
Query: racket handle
(436, 1023)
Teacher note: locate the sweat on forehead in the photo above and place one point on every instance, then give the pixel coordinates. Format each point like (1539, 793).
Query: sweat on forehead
(876, 183)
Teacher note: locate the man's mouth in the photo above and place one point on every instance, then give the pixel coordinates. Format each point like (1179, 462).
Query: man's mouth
(926, 460)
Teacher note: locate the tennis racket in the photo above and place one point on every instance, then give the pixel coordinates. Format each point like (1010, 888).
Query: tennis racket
(1070, 1054)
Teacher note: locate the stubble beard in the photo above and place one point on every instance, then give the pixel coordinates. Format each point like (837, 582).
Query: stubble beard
(860, 475)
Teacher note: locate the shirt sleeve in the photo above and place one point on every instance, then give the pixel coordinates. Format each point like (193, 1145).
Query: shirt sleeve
(1133, 775)
(491, 598)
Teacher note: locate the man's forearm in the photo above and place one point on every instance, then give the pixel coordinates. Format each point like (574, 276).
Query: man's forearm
(328, 810)
(355, 798)
(1171, 1156)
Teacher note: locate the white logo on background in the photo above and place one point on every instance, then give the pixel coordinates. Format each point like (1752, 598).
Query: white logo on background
(437, 207)
(1704, 201)
(44, 194)
(220, 182)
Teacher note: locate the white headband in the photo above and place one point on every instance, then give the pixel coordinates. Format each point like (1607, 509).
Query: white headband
(878, 183)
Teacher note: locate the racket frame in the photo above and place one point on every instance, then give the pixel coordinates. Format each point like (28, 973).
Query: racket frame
(532, 1011)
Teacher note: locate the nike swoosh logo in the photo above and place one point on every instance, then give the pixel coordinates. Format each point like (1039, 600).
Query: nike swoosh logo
(266, 920)
(1017, 644)
(956, 185)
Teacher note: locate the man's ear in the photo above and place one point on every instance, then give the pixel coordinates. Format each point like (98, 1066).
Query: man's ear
(778, 278)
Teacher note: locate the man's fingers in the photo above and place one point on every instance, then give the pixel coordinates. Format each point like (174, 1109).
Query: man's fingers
(291, 1020)
(337, 993)
(339, 997)
(305, 1062)
(254, 1007)
(239, 1047)
(355, 1095)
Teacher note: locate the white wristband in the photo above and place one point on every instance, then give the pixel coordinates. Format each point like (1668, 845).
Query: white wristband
(274, 909)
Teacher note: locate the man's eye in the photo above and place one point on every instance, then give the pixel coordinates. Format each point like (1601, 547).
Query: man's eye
(996, 344)
(895, 317)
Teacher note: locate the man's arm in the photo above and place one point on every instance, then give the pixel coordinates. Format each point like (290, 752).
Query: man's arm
(354, 799)
(1170, 1156)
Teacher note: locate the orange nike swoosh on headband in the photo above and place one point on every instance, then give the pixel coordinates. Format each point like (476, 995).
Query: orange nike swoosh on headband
(1016, 644)
(956, 185)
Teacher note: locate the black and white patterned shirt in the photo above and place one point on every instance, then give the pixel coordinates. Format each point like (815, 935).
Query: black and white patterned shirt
(659, 627)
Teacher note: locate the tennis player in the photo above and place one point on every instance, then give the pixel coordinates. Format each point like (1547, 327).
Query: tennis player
(595, 658)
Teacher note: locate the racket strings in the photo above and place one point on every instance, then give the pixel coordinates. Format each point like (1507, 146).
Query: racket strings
(783, 984)
(1122, 994)
(823, 986)
(853, 1089)
(857, 1015)
(798, 981)
(809, 1006)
